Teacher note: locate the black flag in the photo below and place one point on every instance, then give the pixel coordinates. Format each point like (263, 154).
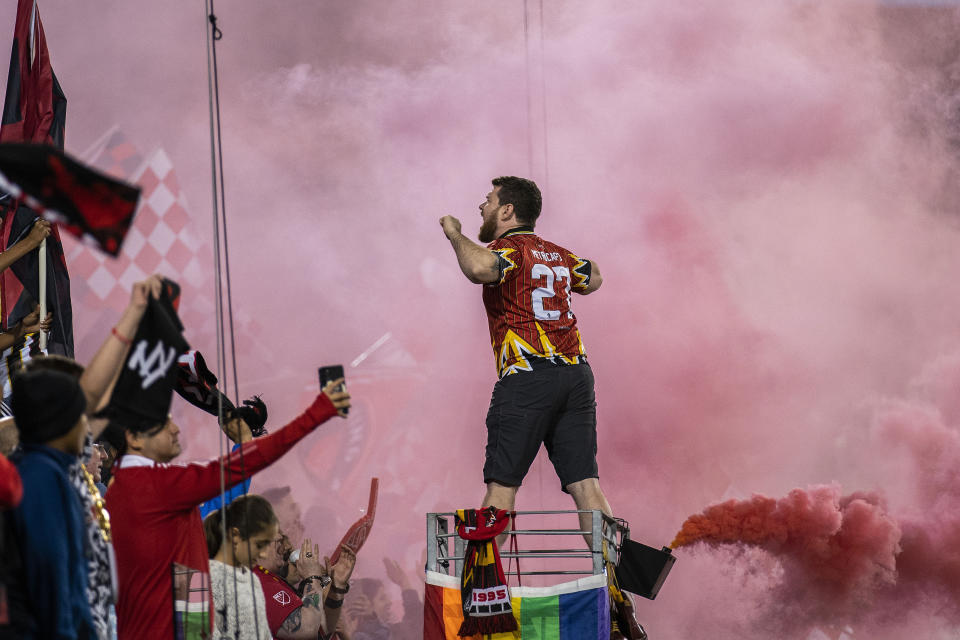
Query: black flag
(141, 398)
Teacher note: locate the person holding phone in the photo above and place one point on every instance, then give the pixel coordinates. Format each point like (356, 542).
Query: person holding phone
(545, 389)
(153, 501)
(331, 373)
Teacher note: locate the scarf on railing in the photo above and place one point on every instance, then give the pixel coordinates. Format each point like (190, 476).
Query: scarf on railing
(483, 587)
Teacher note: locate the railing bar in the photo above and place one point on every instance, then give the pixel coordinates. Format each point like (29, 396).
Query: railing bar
(521, 555)
(546, 555)
(521, 513)
(585, 553)
(532, 532)
(550, 532)
(549, 573)
(602, 527)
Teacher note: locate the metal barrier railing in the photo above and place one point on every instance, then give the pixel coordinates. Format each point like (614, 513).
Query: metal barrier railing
(440, 529)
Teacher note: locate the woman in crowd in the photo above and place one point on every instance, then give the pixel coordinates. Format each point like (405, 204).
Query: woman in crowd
(251, 527)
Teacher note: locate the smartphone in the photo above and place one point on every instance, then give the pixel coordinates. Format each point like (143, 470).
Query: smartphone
(332, 373)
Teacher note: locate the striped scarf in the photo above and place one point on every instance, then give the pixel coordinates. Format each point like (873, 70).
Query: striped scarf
(11, 360)
(483, 587)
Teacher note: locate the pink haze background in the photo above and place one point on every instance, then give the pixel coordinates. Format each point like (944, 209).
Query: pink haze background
(768, 188)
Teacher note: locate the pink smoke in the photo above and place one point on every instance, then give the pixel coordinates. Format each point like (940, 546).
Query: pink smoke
(769, 189)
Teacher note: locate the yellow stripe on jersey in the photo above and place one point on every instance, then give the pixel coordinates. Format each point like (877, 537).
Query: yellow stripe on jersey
(580, 274)
(515, 347)
(551, 352)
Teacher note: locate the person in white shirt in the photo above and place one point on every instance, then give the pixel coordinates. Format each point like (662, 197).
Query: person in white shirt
(238, 599)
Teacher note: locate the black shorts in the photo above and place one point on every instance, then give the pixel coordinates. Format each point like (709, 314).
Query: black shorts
(554, 405)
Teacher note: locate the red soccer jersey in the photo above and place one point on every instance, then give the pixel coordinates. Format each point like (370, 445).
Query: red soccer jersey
(156, 523)
(528, 308)
(280, 597)
(11, 488)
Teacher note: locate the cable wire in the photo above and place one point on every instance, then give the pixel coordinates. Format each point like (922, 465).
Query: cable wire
(526, 61)
(543, 99)
(222, 271)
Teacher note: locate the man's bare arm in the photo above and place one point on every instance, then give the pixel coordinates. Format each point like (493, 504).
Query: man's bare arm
(101, 373)
(40, 230)
(304, 623)
(479, 264)
(340, 583)
(309, 619)
(30, 324)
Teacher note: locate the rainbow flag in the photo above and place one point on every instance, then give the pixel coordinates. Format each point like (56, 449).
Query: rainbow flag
(577, 610)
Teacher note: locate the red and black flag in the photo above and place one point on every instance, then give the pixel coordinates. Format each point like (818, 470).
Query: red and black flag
(89, 204)
(197, 385)
(34, 110)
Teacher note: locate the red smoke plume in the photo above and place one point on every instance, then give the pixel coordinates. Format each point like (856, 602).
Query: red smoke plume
(842, 544)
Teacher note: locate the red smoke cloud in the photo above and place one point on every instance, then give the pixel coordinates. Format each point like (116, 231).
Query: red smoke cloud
(852, 561)
(838, 548)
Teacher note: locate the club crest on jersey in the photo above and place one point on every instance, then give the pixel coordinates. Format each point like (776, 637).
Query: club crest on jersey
(282, 597)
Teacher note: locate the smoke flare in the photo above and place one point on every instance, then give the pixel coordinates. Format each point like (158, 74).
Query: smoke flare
(842, 544)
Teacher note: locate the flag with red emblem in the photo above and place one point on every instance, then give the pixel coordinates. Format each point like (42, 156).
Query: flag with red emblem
(34, 110)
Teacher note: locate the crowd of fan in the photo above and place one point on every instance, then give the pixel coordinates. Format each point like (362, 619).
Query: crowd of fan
(102, 534)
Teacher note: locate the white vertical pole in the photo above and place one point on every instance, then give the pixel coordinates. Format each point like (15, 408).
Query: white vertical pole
(43, 291)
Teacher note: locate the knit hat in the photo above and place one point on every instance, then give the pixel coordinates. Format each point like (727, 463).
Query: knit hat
(46, 405)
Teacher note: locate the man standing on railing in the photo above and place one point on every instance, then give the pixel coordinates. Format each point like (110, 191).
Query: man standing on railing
(545, 389)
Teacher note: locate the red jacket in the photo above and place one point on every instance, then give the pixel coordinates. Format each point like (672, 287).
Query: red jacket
(11, 489)
(156, 523)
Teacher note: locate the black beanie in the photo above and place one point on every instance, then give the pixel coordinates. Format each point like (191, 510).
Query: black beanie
(46, 405)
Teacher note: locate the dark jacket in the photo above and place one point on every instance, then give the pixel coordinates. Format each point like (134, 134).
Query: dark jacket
(49, 596)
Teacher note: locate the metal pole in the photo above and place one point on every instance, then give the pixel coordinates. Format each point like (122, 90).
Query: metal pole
(43, 292)
(460, 551)
(431, 542)
(597, 546)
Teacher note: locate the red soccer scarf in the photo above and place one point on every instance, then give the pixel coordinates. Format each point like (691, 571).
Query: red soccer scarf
(483, 587)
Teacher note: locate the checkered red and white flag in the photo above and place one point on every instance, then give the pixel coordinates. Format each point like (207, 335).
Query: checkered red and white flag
(163, 239)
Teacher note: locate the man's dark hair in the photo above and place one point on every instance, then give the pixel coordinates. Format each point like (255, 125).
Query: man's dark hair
(523, 194)
(113, 434)
(53, 362)
(124, 421)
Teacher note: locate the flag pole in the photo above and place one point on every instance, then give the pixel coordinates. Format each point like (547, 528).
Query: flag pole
(43, 292)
